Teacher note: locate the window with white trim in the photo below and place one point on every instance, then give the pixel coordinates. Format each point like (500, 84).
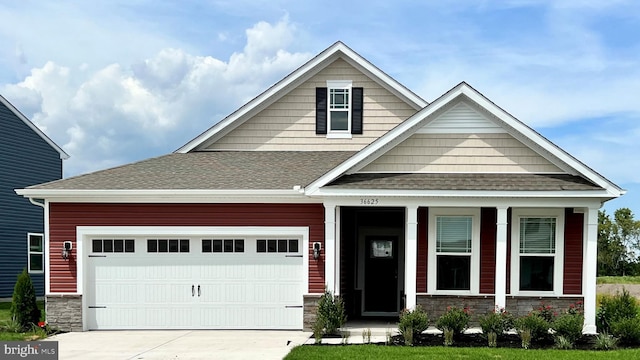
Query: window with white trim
(537, 251)
(454, 245)
(339, 111)
(35, 252)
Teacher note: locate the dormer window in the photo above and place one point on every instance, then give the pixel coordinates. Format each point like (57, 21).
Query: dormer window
(339, 109)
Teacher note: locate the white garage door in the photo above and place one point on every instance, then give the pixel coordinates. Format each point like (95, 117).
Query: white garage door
(195, 283)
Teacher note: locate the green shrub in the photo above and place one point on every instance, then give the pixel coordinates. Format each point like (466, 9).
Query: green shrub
(615, 308)
(627, 330)
(534, 324)
(454, 319)
(496, 322)
(563, 343)
(412, 323)
(569, 326)
(24, 310)
(330, 315)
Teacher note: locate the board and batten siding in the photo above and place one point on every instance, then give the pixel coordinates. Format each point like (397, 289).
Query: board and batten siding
(289, 123)
(461, 152)
(27, 159)
(65, 217)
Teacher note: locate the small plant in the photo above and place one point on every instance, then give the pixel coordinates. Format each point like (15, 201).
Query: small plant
(330, 315)
(366, 336)
(11, 325)
(345, 337)
(24, 309)
(615, 308)
(525, 338)
(454, 319)
(492, 339)
(563, 343)
(412, 323)
(496, 322)
(318, 331)
(627, 330)
(535, 324)
(605, 342)
(546, 312)
(569, 326)
(408, 336)
(448, 336)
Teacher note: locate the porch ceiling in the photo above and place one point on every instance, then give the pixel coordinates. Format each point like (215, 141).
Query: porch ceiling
(468, 181)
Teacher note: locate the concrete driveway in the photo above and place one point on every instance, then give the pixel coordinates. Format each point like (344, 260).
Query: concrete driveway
(178, 344)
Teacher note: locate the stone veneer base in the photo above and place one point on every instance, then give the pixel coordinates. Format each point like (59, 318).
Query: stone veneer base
(64, 312)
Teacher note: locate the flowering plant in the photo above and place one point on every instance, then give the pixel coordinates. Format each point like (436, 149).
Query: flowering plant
(454, 319)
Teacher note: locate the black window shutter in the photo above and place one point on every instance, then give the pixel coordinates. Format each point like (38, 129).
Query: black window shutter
(356, 110)
(321, 110)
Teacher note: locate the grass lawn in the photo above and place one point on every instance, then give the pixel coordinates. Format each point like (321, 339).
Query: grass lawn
(5, 317)
(626, 280)
(399, 352)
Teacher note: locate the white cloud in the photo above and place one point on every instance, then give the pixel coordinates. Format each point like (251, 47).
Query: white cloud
(120, 112)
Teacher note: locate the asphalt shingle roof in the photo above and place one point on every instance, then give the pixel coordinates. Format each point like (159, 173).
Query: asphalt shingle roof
(228, 170)
(467, 181)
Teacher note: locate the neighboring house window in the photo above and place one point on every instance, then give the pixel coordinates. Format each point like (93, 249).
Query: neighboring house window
(36, 252)
(538, 251)
(339, 109)
(454, 257)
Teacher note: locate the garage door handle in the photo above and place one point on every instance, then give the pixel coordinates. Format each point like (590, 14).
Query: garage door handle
(198, 290)
(193, 290)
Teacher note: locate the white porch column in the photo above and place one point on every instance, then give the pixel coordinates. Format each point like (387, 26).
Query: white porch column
(330, 247)
(501, 258)
(411, 256)
(589, 269)
(337, 252)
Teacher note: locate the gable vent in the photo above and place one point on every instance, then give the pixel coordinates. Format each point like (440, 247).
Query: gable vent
(461, 119)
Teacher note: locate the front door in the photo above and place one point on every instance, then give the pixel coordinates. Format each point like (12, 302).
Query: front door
(381, 275)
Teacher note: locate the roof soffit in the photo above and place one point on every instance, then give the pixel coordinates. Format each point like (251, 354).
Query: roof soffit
(294, 79)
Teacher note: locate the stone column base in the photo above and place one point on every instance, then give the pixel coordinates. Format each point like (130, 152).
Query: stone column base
(64, 312)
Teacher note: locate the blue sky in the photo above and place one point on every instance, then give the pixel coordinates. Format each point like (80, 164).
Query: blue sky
(118, 81)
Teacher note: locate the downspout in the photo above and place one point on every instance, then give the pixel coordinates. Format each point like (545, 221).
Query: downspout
(34, 202)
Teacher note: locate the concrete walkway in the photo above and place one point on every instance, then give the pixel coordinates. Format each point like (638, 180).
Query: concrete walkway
(178, 344)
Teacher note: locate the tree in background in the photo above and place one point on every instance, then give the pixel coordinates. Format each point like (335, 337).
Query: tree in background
(618, 243)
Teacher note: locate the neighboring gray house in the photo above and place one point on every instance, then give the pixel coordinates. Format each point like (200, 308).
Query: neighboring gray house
(27, 157)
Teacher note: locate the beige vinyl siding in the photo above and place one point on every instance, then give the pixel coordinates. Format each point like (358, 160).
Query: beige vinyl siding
(488, 153)
(289, 123)
(461, 118)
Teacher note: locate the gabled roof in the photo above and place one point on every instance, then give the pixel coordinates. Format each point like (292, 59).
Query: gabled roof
(5, 102)
(513, 126)
(297, 77)
(204, 170)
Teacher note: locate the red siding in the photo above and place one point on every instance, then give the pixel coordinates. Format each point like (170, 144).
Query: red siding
(421, 275)
(64, 217)
(488, 220)
(509, 224)
(573, 231)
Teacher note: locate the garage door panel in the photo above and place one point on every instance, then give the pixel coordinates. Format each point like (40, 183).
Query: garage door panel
(237, 290)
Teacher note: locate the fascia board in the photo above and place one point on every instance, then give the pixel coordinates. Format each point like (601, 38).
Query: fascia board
(16, 112)
(171, 196)
(295, 78)
(328, 192)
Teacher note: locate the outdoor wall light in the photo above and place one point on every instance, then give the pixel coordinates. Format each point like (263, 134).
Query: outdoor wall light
(67, 246)
(316, 250)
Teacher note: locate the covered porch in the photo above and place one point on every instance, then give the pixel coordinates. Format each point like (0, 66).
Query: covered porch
(386, 253)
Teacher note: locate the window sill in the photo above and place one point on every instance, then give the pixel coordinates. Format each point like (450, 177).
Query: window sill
(339, 136)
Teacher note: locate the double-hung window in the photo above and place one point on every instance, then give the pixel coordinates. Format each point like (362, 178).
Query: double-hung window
(36, 252)
(339, 109)
(454, 243)
(537, 248)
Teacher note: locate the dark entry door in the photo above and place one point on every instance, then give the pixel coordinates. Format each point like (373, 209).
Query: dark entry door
(381, 274)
